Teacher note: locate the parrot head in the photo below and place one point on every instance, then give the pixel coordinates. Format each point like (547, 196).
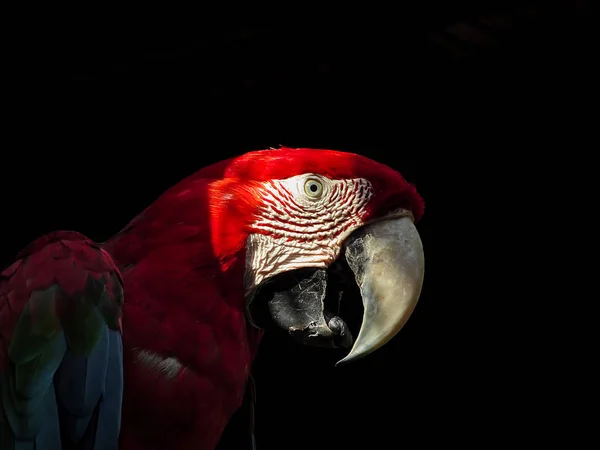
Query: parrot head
(300, 239)
(318, 229)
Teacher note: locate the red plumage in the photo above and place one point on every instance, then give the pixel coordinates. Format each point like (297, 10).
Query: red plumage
(182, 261)
(64, 258)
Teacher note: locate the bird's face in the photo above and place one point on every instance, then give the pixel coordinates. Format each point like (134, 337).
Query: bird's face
(327, 229)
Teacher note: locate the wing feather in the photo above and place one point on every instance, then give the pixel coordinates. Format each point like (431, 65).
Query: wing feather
(61, 357)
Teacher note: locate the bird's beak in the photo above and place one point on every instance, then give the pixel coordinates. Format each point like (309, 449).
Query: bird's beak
(386, 262)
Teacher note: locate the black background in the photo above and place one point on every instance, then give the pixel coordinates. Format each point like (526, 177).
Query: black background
(107, 114)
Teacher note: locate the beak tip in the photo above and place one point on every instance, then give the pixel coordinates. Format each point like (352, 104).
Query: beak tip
(352, 356)
(342, 362)
(347, 360)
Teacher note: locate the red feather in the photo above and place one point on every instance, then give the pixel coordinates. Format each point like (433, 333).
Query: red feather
(183, 262)
(62, 258)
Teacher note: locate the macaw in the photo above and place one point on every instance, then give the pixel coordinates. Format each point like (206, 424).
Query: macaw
(146, 341)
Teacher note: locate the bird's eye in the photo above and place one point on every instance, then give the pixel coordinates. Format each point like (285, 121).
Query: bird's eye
(313, 188)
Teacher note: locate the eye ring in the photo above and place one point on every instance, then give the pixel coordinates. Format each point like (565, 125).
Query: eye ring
(313, 188)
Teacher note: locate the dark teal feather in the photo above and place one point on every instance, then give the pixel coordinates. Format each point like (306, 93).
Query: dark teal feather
(64, 386)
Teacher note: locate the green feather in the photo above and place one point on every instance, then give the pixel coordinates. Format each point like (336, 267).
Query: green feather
(109, 306)
(33, 331)
(83, 325)
(42, 366)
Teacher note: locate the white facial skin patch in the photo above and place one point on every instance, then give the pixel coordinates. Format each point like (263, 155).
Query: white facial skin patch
(302, 222)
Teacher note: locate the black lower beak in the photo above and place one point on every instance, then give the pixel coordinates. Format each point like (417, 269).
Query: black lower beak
(295, 302)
